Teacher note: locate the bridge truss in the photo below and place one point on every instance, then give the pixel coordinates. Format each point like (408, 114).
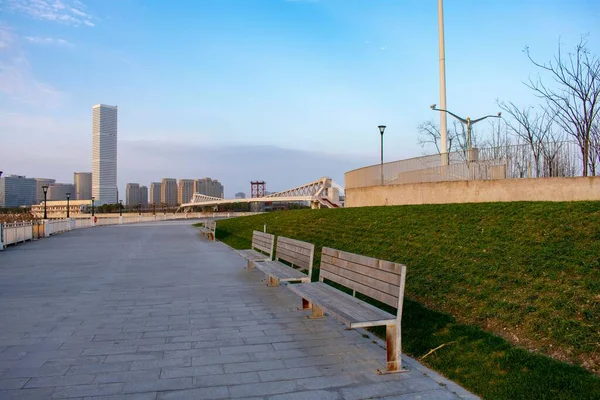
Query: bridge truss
(322, 193)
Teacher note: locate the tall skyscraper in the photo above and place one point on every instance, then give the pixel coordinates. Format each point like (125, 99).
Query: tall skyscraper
(185, 190)
(83, 185)
(132, 194)
(104, 154)
(155, 193)
(144, 196)
(17, 191)
(39, 193)
(168, 191)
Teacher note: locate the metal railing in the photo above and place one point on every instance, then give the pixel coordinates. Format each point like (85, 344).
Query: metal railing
(504, 162)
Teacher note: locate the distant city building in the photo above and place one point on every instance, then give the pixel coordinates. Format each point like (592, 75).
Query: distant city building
(240, 195)
(104, 154)
(58, 209)
(39, 193)
(132, 194)
(185, 190)
(208, 187)
(168, 191)
(17, 191)
(144, 196)
(83, 185)
(155, 193)
(58, 191)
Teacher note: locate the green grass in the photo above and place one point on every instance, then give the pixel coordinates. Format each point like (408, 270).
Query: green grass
(508, 283)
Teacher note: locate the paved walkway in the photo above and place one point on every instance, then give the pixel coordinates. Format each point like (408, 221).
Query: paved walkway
(153, 312)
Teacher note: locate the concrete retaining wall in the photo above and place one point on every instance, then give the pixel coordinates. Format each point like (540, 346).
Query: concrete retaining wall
(539, 189)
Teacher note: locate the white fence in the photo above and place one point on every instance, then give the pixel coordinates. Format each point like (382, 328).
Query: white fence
(15, 233)
(22, 231)
(560, 159)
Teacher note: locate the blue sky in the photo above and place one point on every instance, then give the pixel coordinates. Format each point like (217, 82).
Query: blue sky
(269, 86)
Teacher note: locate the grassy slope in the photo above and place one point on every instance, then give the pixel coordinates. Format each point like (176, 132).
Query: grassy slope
(529, 272)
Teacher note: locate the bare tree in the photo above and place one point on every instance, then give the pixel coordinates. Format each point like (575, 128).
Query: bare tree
(532, 126)
(429, 134)
(575, 100)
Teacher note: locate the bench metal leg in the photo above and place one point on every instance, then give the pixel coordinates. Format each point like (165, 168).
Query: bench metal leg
(317, 312)
(273, 281)
(393, 348)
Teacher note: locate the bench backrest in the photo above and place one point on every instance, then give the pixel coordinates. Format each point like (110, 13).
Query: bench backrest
(212, 225)
(299, 254)
(378, 279)
(263, 241)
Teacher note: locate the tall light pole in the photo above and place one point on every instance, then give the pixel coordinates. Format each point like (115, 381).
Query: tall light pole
(467, 121)
(443, 119)
(45, 190)
(381, 130)
(93, 198)
(68, 197)
(120, 208)
(140, 208)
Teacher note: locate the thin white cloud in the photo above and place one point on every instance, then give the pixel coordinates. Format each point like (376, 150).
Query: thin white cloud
(68, 12)
(16, 78)
(47, 41)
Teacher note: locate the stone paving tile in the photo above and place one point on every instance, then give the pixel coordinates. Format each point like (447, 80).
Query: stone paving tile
(126, 319)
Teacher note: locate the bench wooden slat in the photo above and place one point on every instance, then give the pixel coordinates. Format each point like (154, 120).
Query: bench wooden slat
(281, 272)
(359, 280)
(253, 255)
(344, 307)
(381, 280)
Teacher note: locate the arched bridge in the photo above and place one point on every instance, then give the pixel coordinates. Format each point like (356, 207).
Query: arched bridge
(322, 193)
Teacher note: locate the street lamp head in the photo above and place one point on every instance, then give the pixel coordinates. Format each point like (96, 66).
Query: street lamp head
(45, 188)
(499, 114)
(381, 129)
(68, 196)
(433, 106)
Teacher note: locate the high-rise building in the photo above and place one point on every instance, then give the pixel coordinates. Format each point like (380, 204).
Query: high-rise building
(155, 193)
(185, 190)
(209, 187)
(144, 196)
(17, 191)
(132, 194)
(39, 193)
(58, 191)
(104, 154)
(168, 191)
(83, 185)
(240, 195)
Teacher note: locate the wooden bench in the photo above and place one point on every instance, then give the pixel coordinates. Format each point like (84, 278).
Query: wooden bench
(298, 254)
(262, 248)
(377, 279)
(209, 229)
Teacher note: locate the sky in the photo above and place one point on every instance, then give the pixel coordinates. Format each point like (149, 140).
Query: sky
(284, 91)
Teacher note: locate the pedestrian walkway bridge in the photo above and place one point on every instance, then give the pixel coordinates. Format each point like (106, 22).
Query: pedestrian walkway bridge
(322, 193)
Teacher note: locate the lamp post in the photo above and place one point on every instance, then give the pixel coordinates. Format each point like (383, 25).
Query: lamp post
(164, 208)
(140, 208)
(153, 209)
(68, 197)
(45, 189)
(381, 130)
(442, 53)
(467, 121)
(93, 198)
(120, 208)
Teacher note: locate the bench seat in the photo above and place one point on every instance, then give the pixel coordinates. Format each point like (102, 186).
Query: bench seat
(281, 272)
(353, 312)
(252, 255)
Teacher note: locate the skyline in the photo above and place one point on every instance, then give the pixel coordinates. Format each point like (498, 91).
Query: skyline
(250, 91)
